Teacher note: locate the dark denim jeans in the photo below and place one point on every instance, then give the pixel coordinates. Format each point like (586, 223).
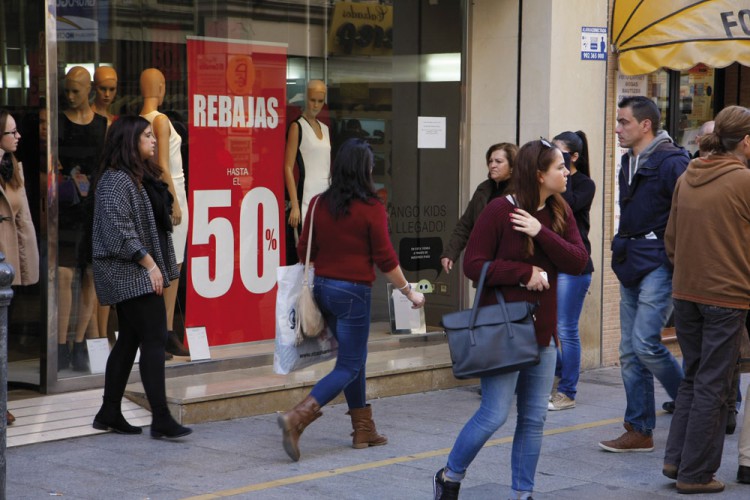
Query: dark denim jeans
(346, 308)
(709, 338)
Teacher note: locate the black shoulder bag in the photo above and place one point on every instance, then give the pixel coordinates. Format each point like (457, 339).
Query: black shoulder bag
(490, 340)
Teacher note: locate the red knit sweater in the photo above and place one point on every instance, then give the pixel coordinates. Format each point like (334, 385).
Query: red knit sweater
(494, 238)
(346, 248)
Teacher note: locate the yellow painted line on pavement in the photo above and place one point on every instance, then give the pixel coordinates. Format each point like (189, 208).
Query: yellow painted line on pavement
(383, 463)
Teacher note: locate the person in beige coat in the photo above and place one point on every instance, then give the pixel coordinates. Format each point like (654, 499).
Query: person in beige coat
(17, 236)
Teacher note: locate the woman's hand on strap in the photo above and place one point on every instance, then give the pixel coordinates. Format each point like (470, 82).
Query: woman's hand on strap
(525, 222)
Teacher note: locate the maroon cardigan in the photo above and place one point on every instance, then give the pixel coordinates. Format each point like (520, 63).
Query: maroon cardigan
(493, 238)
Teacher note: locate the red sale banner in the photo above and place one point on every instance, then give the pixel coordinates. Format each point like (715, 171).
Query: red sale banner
(237, 103)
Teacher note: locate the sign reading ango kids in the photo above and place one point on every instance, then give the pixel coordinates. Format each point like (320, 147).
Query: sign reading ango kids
(237, 95)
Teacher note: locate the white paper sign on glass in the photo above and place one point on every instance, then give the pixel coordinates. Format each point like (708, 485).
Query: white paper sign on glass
(431, 132)
(98, 354)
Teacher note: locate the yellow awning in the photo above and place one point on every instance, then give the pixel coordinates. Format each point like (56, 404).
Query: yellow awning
(678, 34)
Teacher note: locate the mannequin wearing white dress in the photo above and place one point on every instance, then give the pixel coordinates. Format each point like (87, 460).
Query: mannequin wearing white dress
(312, 153)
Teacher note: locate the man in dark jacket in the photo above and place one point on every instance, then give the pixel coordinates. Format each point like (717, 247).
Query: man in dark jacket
(647, 177)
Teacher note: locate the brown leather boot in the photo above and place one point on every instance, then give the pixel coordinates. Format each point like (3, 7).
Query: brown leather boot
(293, 423)
(364, 434)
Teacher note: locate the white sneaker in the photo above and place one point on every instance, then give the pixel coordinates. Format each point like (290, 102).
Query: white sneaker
(561, 402)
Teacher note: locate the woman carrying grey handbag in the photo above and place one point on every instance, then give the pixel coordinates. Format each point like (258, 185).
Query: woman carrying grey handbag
(529, 236)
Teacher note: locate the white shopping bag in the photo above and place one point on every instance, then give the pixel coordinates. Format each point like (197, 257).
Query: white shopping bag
(292, 351)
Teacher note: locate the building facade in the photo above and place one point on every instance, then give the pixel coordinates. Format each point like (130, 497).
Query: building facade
(430, 84)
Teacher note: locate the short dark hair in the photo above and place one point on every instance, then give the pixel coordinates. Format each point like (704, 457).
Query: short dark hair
(643, 108)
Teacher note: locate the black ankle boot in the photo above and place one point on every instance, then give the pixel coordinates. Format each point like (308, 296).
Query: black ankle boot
(174, 346)
(110, 418)
(79, 358)
(63, 356)
(164, 426)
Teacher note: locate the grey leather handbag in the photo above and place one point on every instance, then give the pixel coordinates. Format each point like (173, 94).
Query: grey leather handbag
(494, 339)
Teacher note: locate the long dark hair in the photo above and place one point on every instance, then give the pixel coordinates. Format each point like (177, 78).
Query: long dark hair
(121, 150)
(351, 177)
(576, 142)
(534, 158)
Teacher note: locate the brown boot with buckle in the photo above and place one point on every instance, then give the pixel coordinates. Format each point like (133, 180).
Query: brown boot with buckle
(631, 441)
(364, 434)
(294, 422)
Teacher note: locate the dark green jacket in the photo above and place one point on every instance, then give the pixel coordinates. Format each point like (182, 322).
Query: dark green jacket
(466, 223)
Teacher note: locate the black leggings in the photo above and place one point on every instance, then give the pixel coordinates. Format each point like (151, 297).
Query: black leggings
(143, 323)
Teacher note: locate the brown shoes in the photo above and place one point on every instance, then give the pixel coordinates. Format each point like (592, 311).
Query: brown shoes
(713, 486)
(9, 418)
(631, 441)
(365, 434)
(294, 422)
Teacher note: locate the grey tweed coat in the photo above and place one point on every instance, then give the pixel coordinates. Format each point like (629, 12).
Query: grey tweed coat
(123, 224)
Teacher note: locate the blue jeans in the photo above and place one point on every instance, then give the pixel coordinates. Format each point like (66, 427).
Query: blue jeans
(346, 308)
(644, 310)
(532, 386)
(571, 291)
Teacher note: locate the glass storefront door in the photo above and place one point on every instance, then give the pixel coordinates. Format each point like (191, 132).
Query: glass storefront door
(387, 66)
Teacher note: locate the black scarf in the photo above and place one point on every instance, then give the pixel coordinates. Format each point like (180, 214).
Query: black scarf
(161, 201)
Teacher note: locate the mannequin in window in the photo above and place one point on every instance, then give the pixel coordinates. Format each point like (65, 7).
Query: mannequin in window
(105, 92)
(309, 145)
(80, 142)
(169, 158)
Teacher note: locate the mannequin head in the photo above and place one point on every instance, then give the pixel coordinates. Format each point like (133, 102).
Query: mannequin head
(316, 97)
(77, 88)
(105, 87)
(153, 84)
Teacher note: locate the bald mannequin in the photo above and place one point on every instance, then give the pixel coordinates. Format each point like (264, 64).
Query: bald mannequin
(80, 143)
(311, 169)
(77, 87)
(168, 141)
(105, 91)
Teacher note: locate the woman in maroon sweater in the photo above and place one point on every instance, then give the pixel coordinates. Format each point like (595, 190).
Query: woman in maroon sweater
(529, 236)
(350, 234)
